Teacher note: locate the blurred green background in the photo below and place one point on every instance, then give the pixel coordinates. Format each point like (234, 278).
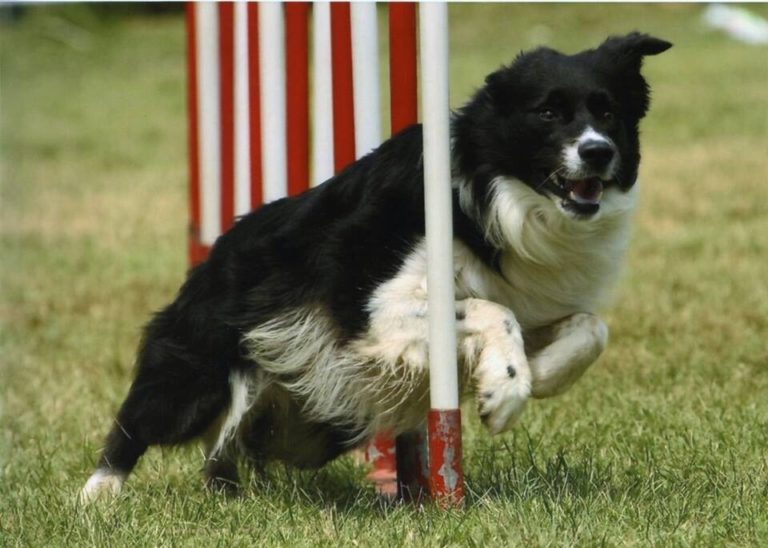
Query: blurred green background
(663, 441)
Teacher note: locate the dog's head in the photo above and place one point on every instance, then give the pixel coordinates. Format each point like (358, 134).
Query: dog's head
(566, 126)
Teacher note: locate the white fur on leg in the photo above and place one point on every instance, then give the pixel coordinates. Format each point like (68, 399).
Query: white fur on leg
(579, 341)
(489, 337)
(244, 391)
(102, 483)
(492, 345)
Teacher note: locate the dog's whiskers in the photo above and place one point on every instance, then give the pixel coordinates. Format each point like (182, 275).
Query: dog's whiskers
(552, 175)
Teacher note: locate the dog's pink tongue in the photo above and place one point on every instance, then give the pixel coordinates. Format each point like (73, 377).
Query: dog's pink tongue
(587, 191)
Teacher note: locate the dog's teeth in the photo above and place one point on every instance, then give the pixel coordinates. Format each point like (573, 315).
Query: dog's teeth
(585, 201)
(587, 191)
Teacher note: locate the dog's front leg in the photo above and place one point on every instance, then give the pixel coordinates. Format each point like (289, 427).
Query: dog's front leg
(491, 347)
(559, 354)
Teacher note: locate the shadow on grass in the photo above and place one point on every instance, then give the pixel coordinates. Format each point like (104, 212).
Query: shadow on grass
(552, 478)
(341, 485)
(515, 471)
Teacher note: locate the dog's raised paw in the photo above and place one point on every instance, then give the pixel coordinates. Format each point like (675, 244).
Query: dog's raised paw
(501, 407)
(503, 389)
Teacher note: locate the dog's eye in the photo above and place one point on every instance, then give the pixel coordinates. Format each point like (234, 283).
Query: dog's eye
(608, 116)
(548, 114)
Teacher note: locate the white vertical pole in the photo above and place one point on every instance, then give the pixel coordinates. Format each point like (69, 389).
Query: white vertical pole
(322, 101)
(242, 110)
(273, 131)
(444, 387)
(209, 118)
(365, 77)
(446, 476)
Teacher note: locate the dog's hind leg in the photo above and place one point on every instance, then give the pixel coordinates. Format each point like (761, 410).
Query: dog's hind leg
(220, 440)
(174, 398)
(220, 470)
(561, 353)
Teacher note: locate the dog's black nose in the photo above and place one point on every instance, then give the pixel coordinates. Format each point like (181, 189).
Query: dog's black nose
(597, 154)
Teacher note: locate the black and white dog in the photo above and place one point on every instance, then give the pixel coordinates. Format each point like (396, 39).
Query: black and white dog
(305, 332)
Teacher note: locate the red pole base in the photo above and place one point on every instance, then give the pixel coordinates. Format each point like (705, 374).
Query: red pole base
(380, 452)
(445, 471)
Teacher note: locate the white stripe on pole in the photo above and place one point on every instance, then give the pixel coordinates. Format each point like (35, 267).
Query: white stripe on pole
(322, 100)
(242, 110)
(209, 120)
(444, 386)
(273, 110)
(365, 77)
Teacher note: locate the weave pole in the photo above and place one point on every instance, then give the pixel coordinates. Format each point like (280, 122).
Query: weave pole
(210, 141)
(249, 117)
(273, 100)
(412, 456)
(381, 451)
(322, 94)
(444, 422)
(241, 97)
(297, 93)
(342, 84)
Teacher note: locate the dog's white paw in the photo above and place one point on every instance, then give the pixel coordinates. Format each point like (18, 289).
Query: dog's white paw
(101, 485)
(503, 385)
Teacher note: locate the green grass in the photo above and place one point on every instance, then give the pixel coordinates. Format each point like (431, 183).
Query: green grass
(663, 441)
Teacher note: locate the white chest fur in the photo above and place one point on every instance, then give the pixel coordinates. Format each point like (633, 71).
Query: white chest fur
(538, 294)
(553, 265)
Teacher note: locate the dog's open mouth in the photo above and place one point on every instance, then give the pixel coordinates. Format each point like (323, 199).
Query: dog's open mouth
(585, 191)
(582, 195)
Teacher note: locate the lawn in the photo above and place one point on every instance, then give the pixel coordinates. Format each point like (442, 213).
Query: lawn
(663, 442)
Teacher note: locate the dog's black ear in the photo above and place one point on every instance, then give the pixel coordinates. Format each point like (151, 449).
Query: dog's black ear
(500, 85)
(623, 56)
(628, 51)
(506, 85)
(494, 79)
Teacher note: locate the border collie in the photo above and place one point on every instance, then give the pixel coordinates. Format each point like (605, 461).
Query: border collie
(305, 331)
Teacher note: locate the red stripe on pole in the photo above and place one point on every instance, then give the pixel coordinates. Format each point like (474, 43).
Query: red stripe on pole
(343, 92)
(227, 99)
(402, 65)
(197, 251)
(254, 101)
(445, 469)
(412, 456)
(297, 95)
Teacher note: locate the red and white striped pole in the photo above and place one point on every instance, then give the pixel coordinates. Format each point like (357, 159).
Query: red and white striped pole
(249, 78)
(411, 449)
